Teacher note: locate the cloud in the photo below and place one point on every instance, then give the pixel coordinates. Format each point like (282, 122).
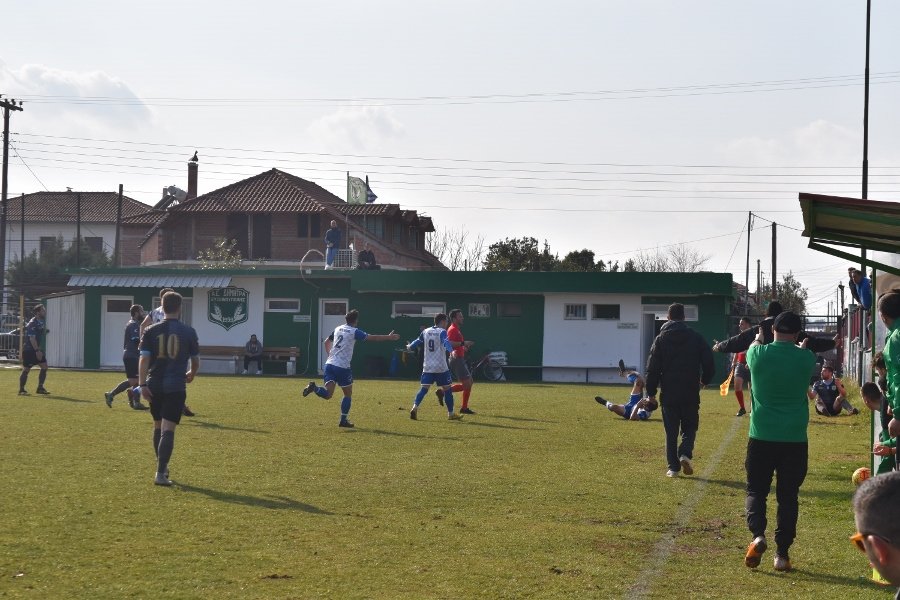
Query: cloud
(819, 143)
(357, 128)
(62, 102)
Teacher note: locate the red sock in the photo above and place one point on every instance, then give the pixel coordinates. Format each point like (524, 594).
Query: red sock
(740, 397)
(466, 393)
(457, 387)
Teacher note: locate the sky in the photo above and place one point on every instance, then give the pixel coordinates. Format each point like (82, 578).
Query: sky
(613, 126)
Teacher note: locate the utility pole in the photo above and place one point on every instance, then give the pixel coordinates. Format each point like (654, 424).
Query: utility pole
(747, 274)
(22, 230)
(6, 105)
(116, 253)
(758, 282)
(78, 230)
(774, 262)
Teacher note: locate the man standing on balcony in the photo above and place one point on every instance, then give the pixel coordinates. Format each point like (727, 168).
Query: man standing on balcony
(332, 243)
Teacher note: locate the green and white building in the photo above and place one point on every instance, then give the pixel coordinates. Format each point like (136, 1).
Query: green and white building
(553, 326)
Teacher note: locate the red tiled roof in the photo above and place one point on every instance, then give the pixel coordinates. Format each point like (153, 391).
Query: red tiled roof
(370, 210)
(52, 207)
(146, 218)
(268, 192)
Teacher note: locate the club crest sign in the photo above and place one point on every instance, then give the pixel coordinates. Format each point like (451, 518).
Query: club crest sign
(228, 307)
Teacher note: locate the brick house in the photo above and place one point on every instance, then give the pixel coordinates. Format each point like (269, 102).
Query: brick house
(278, 217)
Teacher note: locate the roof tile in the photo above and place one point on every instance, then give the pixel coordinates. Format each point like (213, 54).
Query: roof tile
(51, 207)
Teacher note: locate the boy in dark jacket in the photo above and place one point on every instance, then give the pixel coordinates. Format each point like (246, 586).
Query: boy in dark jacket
(681, 362)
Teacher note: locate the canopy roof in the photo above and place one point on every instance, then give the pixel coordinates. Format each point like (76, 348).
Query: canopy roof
(852, 223)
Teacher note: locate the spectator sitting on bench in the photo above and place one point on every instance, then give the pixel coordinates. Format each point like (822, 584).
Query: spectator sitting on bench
(253, 351)
(366, 259)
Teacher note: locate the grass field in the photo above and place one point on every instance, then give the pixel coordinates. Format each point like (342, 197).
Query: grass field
(542, 494)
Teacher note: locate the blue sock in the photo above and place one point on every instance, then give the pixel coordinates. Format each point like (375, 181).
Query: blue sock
(422, 391)
(321, 392)
(345, 408)
(448, 400)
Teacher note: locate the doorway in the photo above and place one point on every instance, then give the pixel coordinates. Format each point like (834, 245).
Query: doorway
(116, 314)
(332, 313)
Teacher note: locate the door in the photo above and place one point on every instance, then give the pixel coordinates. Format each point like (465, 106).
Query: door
(115, 315)
(332, 312)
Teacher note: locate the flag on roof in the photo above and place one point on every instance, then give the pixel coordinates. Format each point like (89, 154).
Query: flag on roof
(370, 195)
(356, 190)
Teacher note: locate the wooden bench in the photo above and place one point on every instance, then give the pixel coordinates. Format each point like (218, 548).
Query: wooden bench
(221, 359)
(230, 359)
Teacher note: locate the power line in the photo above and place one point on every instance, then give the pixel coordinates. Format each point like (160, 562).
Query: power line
(532, 97)
(192, 147)
(621, 175)
(33, 174)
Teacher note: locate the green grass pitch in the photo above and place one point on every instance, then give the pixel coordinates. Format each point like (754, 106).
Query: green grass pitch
(542, 494)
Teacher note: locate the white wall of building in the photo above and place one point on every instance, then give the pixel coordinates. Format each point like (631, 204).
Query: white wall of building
(65, 331)
(593, 345)
(212, 334)
(35, 231)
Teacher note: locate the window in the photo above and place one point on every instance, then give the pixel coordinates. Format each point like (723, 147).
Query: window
(282, 305)
(237, 228)
(315, 226)
(418, 309)
(660, 311)
(47, 244)
(576, 311)
(118, 306)
(605, 311)
(509, 309)
(262, 236)
(480, 309)
(302, 226)
(94, 243)
(397, 233)
(375, 226)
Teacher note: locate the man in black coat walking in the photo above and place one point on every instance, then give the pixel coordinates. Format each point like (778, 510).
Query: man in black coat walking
(681, 362)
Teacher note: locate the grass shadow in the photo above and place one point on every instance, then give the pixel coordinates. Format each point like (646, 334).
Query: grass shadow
(220, 427)
(63, 398)
(270, 502)
(410, 435)
(526, 419)
(735, 485)
(850, 582)
(499, 426)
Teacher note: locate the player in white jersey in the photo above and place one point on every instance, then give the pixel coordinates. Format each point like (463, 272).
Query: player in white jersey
(434, 369)
(339, 346)
(156, 315)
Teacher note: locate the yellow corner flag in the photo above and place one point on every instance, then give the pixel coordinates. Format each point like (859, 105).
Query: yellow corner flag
(723, 389)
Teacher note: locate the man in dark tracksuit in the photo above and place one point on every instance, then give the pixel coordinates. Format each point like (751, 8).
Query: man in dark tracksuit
(742, 341)
(681, 362)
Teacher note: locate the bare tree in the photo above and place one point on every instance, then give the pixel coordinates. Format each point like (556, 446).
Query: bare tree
(457, 249)
(674, 259)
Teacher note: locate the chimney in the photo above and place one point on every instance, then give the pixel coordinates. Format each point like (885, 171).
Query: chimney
(192, 177)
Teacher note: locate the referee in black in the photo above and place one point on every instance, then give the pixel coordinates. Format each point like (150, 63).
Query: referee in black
(169, 360)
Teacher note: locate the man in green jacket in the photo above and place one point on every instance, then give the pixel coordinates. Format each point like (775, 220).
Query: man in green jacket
(889, 311)
(778, 440)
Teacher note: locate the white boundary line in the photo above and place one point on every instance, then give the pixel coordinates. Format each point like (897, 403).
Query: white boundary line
(666, 545)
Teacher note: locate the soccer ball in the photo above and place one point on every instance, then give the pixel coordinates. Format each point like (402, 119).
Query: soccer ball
(860, 475)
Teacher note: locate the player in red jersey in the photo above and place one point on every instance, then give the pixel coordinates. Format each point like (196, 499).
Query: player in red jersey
(458, 365)
(741, 371)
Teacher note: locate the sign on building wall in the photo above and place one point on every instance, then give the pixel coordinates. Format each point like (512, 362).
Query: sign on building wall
(228, 307)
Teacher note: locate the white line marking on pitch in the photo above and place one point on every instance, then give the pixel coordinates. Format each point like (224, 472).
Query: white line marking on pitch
(666, 545)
